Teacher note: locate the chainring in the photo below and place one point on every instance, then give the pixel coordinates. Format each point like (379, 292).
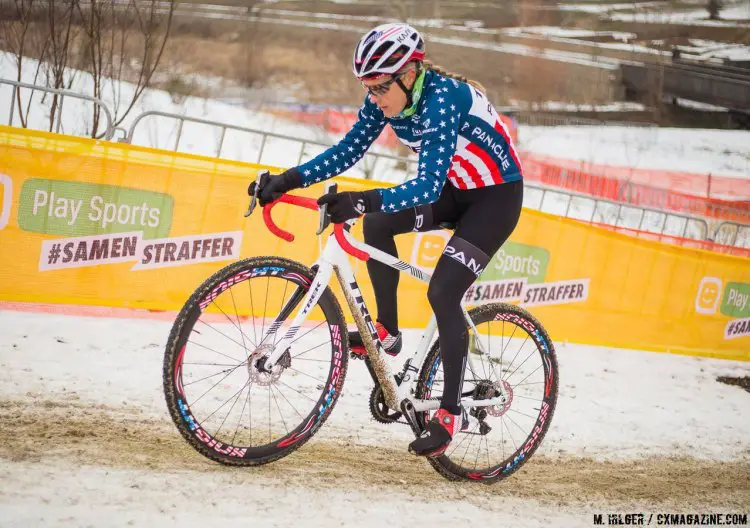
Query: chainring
(379, 409)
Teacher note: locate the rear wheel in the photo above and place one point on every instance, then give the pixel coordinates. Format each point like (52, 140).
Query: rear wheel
(509, 354)
(221, 398)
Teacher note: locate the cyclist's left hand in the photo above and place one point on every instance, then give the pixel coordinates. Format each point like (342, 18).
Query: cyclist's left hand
(347, 205)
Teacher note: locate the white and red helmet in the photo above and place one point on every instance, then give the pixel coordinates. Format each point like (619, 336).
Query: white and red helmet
(386, 49)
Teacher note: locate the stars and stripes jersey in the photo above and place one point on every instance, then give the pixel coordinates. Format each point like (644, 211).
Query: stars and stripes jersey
(456, 131)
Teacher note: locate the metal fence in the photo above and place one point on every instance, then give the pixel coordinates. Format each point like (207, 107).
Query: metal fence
(732, 234)
(302, 155)
(56, 123)
(552, 200)
(556, 201)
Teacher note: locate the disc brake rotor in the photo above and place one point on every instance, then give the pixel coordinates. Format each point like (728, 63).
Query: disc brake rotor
(259, 375)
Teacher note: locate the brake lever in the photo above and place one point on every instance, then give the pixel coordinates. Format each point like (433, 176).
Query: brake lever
(325, 218)
(262, 179)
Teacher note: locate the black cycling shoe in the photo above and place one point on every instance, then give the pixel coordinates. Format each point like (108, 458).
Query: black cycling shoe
(438, 434)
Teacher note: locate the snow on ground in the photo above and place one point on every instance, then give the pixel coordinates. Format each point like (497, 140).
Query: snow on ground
(560, 106)
(88, 441)
(554, 31)
(705, 49)
(733, 14)
(718, 152)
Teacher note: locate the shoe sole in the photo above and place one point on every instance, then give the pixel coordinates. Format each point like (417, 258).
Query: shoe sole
(431, 454)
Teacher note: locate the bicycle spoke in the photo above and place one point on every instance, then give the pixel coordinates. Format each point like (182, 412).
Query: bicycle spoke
(252, 309)
(303, 335)
(527, 377)
(240, 361)
(236, 399)
(476, 458)
(519, 366)
(212, 386)
(519, 351)
(207, 418)
(290, 403)
(317, 360)
(239, 324)
(208, 364)
(511, 420)
(269, 413)
(515, 446)
(242, 412)
(522, 414)
(309, 349)
(298, 392)
(471, 439)
(279, 409)
(203, 379)
(283, 298)
(528, 383)
(263, 322)
(308, 375)
(223, 334)
(455, 447)
(504, 347)
(516, 395)
(487, 451)
(233, 324)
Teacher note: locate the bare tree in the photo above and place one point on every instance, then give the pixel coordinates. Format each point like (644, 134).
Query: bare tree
(252, 39)
(22, 38)
(59, 20)
(714, 8)
(122, 42)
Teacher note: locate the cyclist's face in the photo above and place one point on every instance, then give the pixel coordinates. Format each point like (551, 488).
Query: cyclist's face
(393, 101)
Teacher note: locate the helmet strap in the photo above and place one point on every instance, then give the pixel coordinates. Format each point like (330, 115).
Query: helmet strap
(413, 94)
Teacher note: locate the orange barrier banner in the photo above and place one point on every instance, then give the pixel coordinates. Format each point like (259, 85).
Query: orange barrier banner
(97, 223)
(614, 185)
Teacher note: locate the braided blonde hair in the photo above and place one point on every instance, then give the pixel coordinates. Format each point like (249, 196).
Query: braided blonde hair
(429, 65)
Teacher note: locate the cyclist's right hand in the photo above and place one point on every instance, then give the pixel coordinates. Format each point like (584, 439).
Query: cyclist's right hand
(276, 186)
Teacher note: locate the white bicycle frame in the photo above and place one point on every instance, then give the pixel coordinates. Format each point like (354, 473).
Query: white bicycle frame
(334, 259)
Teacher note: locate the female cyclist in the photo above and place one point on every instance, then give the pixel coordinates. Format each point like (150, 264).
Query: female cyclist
(469, 176)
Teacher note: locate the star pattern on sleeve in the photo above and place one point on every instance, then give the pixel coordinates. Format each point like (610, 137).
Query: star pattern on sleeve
(340, 157)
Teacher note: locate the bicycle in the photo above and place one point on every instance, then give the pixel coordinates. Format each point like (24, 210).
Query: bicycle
(284, 363)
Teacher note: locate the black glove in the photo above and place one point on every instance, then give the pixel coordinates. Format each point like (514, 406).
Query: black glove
(347, 205)
(276, 186)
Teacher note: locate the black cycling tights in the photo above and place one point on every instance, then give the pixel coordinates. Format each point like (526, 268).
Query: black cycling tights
(484, 219)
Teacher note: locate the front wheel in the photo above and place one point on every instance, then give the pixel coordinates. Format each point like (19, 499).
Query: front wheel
(221, 398)
(510, 354)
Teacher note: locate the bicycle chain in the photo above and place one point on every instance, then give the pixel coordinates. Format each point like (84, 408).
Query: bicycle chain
(380, 411)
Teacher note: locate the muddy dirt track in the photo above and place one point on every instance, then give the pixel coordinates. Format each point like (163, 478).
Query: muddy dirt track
(77, 433)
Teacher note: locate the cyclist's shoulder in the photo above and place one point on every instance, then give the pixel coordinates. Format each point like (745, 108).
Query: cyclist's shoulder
(441, 91)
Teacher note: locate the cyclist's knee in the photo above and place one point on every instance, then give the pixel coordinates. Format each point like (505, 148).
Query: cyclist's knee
(438, 294)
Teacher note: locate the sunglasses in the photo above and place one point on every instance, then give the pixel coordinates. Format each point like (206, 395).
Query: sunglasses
(384, 87)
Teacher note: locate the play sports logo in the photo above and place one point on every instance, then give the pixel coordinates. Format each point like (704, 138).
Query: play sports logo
(732, 299)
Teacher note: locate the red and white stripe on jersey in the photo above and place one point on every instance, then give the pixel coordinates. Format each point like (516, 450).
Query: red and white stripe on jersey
(472, 167)
(503, 130)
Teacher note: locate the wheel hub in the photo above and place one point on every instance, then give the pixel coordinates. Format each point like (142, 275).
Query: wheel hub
(259, 375)
(487, 389)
